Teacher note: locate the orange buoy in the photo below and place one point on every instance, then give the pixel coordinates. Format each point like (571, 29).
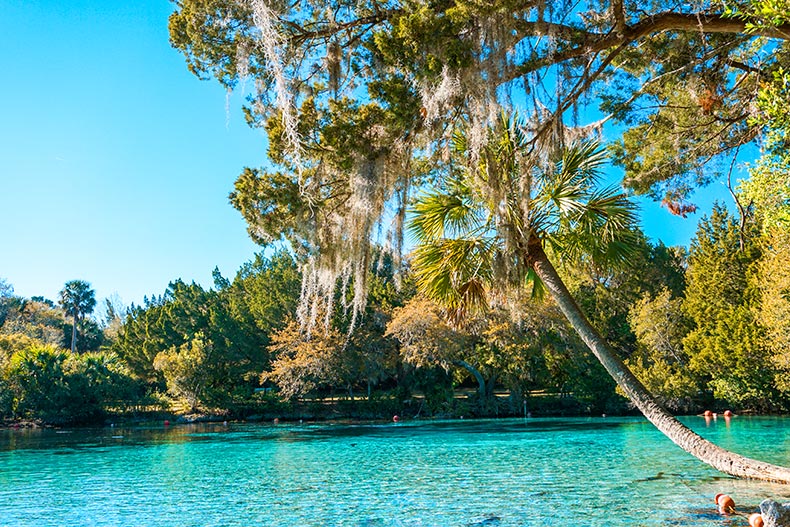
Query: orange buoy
(725, 503)
(756, 520)
(727, 413)
(277, 420)
(707, 413)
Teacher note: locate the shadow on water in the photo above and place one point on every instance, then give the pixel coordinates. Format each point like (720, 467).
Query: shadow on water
(78, 439)
(466, 426)
(88, 438)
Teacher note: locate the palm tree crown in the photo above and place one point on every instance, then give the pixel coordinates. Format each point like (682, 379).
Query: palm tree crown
(475, 230)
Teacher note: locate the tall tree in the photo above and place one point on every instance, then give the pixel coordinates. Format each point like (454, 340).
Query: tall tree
(726, 345)
(680, 77)
(78, 300)
(768, 189)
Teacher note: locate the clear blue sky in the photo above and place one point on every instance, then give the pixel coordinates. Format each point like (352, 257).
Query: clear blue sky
(116, 162)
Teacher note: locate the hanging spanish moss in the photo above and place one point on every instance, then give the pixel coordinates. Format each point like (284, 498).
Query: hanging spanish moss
(274, 50)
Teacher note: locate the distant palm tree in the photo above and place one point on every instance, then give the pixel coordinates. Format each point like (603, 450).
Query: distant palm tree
(489, 226)
(77, 299)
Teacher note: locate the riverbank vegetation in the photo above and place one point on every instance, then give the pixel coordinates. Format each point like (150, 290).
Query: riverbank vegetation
(702, 328)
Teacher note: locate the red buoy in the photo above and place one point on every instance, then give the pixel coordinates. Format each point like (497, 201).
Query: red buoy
(707, 413)
(395, 418)
(167, 423)
(727, 413)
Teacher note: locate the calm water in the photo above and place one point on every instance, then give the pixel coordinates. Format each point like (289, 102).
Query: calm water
(538, 472)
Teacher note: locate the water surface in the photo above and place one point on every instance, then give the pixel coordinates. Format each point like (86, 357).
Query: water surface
(535, 472)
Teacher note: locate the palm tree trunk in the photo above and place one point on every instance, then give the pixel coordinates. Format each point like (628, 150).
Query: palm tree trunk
(715, 456)
(74, 334)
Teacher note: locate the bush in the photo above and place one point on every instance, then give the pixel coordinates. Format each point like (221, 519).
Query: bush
(52, 385)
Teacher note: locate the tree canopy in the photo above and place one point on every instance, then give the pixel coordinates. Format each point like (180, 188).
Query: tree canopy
(356, 95)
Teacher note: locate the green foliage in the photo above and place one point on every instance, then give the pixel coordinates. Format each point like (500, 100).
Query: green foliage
(265, 292)
(726, 346)
(608, 295)
(37, 377)
(187, 370)
(733, 355)
(13, 343)
(691, 114)
(761, 14)
(671, 382)
(286, 210)
(660, 361)
(197, 28)
(37, 320)
(427, 40)
(773, 281)
(206, 347)
(59, 387)
(718, 270)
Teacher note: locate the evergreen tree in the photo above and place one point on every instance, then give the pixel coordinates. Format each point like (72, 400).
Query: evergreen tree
(727, 346)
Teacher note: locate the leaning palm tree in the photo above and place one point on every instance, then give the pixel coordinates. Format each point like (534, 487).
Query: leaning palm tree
(490, 226)
(77, 299)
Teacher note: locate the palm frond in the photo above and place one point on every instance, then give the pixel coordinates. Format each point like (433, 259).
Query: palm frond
(455, 272)
(459, 143)
(539, 290)
(437, 215)
(608, 214)
(581, 163)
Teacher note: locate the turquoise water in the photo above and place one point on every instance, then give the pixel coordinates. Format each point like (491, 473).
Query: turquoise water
(536, 472)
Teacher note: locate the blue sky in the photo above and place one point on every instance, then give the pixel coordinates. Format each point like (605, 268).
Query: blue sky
(116, 162)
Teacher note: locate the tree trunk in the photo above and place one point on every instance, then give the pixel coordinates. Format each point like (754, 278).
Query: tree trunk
(490, 385)
(74, 335)
(715, 456)
(481, 382)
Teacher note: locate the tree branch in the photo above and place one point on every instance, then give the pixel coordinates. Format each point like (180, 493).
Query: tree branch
(592, 42)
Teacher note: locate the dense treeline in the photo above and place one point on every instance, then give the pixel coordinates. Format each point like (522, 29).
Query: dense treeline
(705, 328)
